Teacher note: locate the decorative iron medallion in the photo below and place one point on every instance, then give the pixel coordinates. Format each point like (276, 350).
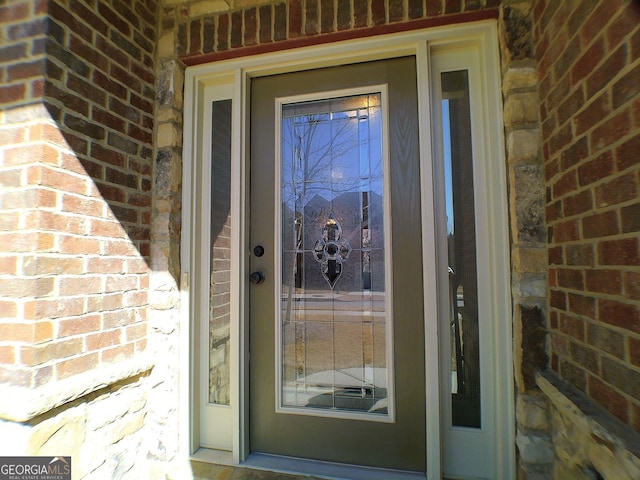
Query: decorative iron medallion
(331, 251)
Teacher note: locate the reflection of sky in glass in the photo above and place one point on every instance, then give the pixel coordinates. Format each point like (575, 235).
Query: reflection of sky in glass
(446, 140)
(330, 147)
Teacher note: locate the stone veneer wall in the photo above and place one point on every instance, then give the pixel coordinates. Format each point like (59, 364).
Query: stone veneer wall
(589, 69)
(77, 101)
(528, 235)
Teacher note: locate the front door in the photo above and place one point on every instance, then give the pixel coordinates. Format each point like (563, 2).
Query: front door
(336, 331)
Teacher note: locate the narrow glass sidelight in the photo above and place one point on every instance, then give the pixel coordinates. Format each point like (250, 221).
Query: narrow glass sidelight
(334, 310)
(220, 267)
(461, 242)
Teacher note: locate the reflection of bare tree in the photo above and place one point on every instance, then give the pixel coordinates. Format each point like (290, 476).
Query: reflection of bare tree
(315, 142)
(308, 154)
(321, 156)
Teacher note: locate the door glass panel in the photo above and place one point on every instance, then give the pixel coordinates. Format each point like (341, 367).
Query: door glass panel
(220, 277)
(461, 241)
(334, 325)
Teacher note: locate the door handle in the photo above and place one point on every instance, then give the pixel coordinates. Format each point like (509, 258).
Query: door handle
(256, 278)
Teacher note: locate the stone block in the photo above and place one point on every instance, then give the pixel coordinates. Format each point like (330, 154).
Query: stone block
(127, 426)
(168, 136)
(160, 250)
(92, 454)
(164, 321)
(523, 145)
(164, 295)
(533, 342)
(208, 7)
(167, 44)
(532, 412)
(168, 115)
(524, 77)
(535, 449)
(61, 435)
(529, 286)
(163, 170)
(162, 438)
(568, 440)
(517, 32)
(106, 410)
(169, 84)
(562, 472)
(122, 459)
(137, 404)
(176, 173)
(521, 108)
(162, 206)
(529, 259)
(530, 204)
(608, 463)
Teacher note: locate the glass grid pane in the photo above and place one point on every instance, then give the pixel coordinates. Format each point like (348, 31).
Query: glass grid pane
(333, 287)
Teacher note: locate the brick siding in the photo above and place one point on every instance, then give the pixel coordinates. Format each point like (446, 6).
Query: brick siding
(589, 69)
(269, 27)
(77, 98)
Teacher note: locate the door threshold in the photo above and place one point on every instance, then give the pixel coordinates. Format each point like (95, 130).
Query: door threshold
(328, 470)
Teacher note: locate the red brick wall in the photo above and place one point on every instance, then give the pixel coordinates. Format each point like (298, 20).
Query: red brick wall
(270, 27)
(77, 95)
(589, 69)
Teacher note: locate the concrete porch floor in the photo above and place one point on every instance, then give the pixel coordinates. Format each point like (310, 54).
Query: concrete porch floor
(268, 467)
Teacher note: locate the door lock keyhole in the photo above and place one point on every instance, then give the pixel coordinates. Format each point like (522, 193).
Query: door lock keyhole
(256, 278)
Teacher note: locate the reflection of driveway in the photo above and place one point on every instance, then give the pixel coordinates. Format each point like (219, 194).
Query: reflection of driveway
(323, 306)
(354, 389)
(334, 350)
(349, 378)
(317, 346)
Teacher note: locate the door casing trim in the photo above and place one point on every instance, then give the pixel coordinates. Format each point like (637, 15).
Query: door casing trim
(237, 73)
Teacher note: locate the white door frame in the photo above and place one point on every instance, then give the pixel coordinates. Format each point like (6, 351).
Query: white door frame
(202, 84)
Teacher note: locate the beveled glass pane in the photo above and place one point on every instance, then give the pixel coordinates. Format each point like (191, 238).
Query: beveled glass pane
(220, 268)
(333, 285)
(461, 239)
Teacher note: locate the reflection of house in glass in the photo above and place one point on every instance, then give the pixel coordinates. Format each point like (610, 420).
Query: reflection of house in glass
(331, 250)
(360, 217)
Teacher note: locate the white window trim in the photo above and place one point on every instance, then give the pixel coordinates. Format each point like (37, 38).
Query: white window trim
(236, 74)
